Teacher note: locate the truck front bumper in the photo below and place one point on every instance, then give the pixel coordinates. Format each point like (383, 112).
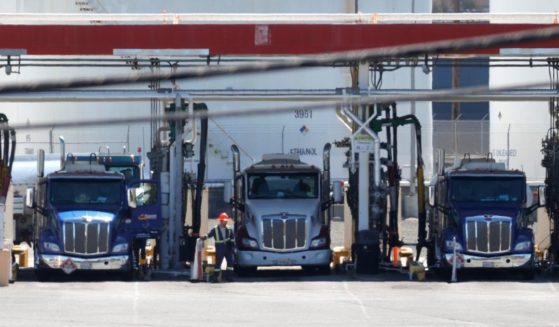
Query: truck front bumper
(265, 258)
(523, 260)
(69, 264)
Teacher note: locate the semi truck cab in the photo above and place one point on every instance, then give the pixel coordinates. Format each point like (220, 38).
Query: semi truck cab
(281, 219)
(484, 211)
(88, 218)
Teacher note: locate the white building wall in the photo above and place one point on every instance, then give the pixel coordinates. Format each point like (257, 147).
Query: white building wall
(255, 135)
(528, 121)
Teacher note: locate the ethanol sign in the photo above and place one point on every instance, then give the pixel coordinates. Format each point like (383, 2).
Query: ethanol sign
(363, 143)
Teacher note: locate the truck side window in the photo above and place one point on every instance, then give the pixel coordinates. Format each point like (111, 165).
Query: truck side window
(146, 194)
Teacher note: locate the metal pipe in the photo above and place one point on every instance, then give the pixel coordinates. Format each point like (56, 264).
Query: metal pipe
(326, 179)
(12, 152)
(417, 95)
(62, 152)
(196, 214)
(191, 110)
(236, 184)
(508, 147)
(285, 18)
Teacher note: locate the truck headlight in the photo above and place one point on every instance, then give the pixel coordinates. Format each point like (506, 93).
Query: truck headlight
(121, 247)
(523, 246)
(52, 247)
(319, 242)
(249, 243)
(449, 245)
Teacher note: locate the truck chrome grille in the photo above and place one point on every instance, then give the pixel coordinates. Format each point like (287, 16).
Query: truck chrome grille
(488, 236)
(86, 238)
(284, 233)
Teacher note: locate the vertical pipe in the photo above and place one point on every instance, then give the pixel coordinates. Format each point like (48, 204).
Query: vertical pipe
(196, 213)
(12, 152)
(455, 104)
(62, 152)
(387, 227)
(326, 179)
(236, 184)
(363, 80)
(175, 199)
(508, 147)
(363, 198)
(51, 138)
(282, 139)
(421, 213)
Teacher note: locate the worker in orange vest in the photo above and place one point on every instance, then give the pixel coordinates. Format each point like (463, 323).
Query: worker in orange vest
(224, 247)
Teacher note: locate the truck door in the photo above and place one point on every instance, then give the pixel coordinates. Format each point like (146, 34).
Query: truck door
(145, 204)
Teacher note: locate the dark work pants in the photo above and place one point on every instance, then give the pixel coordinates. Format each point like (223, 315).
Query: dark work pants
(223, 251)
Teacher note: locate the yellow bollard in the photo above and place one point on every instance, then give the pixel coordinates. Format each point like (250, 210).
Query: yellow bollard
(539, 253)
(22, 252)
(406, 256)
(417, 269)
(209, 254)
(339, 254)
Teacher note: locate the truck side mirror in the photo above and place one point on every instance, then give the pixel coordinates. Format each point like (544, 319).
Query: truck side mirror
(431, 196)
(338, 192)
(131, 197)
(30, 198)
(541, 195)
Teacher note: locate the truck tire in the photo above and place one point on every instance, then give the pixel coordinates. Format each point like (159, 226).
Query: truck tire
(431, 255)
(318, 270)
(529, 274)
(444, 273)
(245, 271)
(42, 275)
(15, 270)
(324, 270)
(130, 273)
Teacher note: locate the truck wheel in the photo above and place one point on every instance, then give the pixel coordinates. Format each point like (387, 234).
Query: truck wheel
(529, 274)
(245, 271)
(15, 270)
(42, 275)
(324, 270)
(444, 273)
(319, 270)
(431, 256)
(128, 275)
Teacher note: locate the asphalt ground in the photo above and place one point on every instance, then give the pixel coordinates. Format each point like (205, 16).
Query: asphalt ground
(283, 297)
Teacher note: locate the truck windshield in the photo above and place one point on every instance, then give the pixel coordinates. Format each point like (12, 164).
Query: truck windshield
(85, 191)
(487, 189)
(283, 186)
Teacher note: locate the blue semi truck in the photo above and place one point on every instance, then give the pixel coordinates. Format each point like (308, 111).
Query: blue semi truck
(90, 217)
(484, 212)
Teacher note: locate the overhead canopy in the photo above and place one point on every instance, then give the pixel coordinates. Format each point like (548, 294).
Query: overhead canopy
(245, 35)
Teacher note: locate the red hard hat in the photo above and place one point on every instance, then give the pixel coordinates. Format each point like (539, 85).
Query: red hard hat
(223, 216)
